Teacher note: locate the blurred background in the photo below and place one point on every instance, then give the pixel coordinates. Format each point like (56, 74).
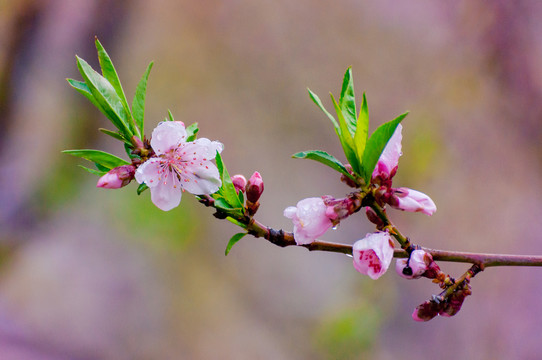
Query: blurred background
(88, 273)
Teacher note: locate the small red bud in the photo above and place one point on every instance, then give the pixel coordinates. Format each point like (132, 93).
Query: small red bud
(254, 188)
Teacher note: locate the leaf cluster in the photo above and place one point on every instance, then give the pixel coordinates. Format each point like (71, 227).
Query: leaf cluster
(362, 152)
(105, 92)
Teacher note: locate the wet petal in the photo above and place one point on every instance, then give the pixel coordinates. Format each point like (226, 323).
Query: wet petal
(202, 179)
(373, 254)
(389, 159)
(167, 135)
(149, 172)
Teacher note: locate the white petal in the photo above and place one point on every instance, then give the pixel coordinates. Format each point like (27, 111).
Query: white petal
(290, 212)
(166, 194)
(167, 135)
(201, 149)
(201, 179)
(149, 172)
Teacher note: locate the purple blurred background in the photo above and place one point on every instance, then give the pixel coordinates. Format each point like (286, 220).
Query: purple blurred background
(88, 273)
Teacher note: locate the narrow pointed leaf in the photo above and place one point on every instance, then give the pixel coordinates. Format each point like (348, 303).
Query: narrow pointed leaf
(82, 88)
(234, 239)
(376, 144)
(324, 158)
(115, 135)
(346, 139)
(347, 101)
(362, 129)
(227, 190)
(109, 72)
(92, 171)
(106, 96)
(318, 103)
(170, 116)
(108, 161)
(138, 104)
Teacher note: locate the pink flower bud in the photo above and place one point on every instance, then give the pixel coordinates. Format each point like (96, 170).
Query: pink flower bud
(117, 177)
(389, 159)
(240, 182)
(412, 200)
(373, 254)
(417, 265)
(309, 218)
(254, 188)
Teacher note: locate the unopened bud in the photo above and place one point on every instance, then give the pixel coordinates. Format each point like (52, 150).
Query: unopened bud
(117, 177)
(240, 182)
(455, 301)
(427, 310)
(415, 266)
(374, 218)
(254, 188)
(345, 179)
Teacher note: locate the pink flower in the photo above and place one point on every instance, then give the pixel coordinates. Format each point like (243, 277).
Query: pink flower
(309, 218)
(412, 200)
(416, 264)
(389, 159)
(179, 166)
(373, 254)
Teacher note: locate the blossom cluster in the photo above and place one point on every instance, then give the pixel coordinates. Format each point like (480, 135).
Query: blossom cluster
(373, 254)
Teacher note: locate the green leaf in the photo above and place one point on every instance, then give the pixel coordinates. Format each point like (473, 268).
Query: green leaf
(141, 188)
(221, 203)
(362, 129)
(108, 161)
(115, 135)
(101, 167)
(104, 93)
(376, 144)
(234, 239)
(236, 222)
(318, 102)
(346, 139)
(227, 190)
(192, 131)
(347, 101)
(170, 116)
(109, 72)
(92, 171)
(82, 88)
(324, 158)
(138, 104)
